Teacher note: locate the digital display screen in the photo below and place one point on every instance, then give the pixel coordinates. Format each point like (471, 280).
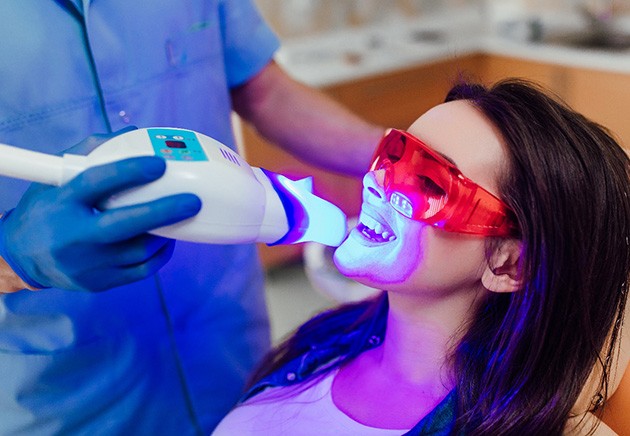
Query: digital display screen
(175, 144)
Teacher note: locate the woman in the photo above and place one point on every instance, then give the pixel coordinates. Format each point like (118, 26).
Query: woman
(498, 226)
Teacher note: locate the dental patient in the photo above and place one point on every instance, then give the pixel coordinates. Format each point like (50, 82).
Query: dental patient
(497, 227)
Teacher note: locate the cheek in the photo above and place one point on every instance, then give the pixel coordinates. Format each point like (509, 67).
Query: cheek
(456, 260)
(434, 261)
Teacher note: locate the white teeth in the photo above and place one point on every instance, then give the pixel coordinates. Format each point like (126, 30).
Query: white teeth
(376, 227)
(368, 221)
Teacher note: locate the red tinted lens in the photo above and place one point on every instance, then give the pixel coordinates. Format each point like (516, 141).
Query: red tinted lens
(424, 186)
(417, 184)
(390, 150)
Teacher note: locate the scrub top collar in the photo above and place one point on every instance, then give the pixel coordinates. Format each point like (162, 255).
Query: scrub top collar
(75, 7)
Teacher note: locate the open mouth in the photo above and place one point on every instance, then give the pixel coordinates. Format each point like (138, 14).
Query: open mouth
(374, 230)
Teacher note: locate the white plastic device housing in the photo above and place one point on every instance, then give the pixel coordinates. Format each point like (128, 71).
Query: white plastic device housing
(239, 202)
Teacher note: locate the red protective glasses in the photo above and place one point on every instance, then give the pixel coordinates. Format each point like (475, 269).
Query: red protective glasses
(424, 186)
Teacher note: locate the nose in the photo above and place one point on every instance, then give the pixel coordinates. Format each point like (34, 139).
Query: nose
(373, 183)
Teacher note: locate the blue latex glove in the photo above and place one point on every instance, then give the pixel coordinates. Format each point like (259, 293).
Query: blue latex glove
(56, 237)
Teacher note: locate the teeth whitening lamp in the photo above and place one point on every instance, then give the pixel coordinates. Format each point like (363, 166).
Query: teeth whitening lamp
(240, 203)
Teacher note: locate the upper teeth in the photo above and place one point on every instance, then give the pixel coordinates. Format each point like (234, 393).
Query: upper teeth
(377, 227)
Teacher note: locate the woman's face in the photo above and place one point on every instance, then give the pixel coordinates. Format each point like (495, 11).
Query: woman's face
(410, 255)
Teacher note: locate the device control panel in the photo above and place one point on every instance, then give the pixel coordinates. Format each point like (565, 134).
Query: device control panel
(176, 145)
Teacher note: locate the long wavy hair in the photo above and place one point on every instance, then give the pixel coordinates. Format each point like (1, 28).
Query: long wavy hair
(526, 356)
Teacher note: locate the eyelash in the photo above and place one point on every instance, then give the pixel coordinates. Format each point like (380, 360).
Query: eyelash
(429, 187)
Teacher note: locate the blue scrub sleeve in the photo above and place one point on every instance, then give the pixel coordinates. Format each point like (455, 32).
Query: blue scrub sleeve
(249, 43)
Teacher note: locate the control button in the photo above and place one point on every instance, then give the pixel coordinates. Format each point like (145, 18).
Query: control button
(124, 116)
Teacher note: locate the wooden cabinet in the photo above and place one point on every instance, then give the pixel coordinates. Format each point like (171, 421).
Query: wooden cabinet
(602, 96)
(494, 68)
(398, 99)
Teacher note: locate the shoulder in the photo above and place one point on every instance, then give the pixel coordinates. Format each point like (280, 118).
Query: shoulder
(618, 389)
(583, 425)
(316, 361)
(280, 410)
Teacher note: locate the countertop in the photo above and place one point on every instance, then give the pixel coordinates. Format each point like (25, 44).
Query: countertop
(344, 55)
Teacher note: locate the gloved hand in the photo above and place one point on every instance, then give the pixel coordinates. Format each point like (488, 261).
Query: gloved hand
(56, 237)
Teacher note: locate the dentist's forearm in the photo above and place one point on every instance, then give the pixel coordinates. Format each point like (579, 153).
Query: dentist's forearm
(306, 122)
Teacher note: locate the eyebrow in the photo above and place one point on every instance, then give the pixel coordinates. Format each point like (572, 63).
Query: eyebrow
(447, 158)
(433, 149)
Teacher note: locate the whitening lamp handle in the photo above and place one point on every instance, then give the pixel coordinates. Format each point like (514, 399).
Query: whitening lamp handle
(34, 166)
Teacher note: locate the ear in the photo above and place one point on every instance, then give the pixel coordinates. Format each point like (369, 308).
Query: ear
(503, 272)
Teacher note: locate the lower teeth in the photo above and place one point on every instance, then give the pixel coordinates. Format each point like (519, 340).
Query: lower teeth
(370, 234)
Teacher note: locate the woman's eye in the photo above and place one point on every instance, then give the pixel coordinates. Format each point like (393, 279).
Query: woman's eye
(392, 158)
(430, 188)
(394, 151)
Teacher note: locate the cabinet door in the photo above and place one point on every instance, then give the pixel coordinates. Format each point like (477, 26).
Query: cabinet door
(553, 77)
(397, 99)
(603, 97)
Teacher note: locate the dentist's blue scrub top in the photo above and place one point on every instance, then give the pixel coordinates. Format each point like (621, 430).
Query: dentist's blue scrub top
(167, 355)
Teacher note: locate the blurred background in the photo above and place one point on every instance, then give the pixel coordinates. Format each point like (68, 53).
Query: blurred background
(391, 60)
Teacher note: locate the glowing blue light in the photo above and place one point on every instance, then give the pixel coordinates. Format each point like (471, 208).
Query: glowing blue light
(310, 217)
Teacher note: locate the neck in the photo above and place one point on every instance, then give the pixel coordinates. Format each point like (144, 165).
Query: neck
(420, 338)
(396, 384)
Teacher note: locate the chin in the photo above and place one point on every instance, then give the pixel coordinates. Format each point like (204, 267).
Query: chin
(342, 257)
(356, 267)
(347, 262)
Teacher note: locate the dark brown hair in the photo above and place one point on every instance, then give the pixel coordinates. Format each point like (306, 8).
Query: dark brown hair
(526, 356)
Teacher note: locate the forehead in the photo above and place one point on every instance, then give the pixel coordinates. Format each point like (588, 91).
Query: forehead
(460, 131)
